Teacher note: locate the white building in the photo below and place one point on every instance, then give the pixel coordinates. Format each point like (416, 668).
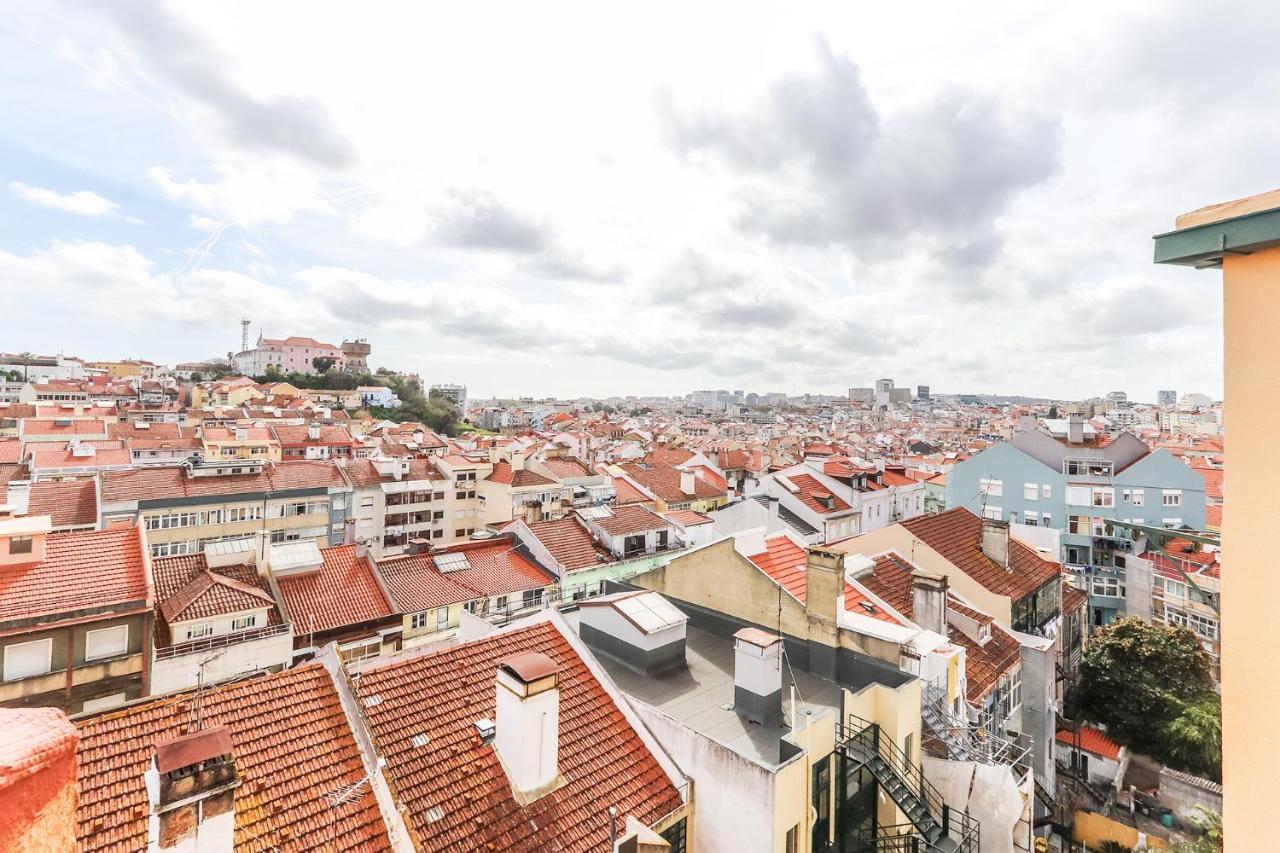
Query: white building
(457, 394)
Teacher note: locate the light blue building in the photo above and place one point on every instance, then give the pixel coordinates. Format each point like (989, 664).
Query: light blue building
(1073, 480)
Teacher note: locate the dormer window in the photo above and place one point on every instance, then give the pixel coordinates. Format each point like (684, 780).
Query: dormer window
(984, 632)
(21, 544)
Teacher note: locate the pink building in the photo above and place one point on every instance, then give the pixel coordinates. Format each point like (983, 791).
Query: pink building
(289, 355)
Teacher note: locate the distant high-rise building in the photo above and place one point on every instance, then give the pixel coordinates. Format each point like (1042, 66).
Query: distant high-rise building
(1167, 399)
(862, 395)
(457, 394)
(1118, 398)
(922, 392)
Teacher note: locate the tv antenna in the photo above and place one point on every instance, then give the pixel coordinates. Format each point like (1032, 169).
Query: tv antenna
(244, 334)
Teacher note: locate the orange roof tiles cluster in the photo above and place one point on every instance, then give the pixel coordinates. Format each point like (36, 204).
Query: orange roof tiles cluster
(1091, 740)
(292, 745)
(630, 519)
(493, 568)
(816, 496)
(80, 570)
(343, 592)
(570, 544)
(69, 503)
(456, 793)
(957, 536)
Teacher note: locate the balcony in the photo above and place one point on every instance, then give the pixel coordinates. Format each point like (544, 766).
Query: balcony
(220, 641)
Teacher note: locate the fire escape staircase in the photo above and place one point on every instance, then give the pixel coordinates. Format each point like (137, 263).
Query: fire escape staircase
(938, 829)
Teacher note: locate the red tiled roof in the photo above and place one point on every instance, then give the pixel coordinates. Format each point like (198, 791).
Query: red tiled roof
(812, 493)
(784, 561)
(957, 536)
(55, 459)
(568, 466)
(602, 759)
(10, 450)
(80, 570)
(209, 594)
(687, 517)
(130, 430)
(36, 426)
(362, 472)
(503, 473)
(164, 482)
(496, 568)
(70, 503)
(627, 493)
(344, 592)
(292, 745)
(34, 739)
(632, 518)
(570, 543)
(1091, 740)
(1213, 517)
(1073, 599)
(664, 480)
(300, 435)
(172, 574)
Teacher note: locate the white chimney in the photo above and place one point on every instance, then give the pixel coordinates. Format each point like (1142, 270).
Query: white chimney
(757, 676)
(686, 482)
(191, 786)
(313, 431)
(929, 601)
(528, 724)
(1075, 429)
(242, 434)
(995, 541)
(517, 461)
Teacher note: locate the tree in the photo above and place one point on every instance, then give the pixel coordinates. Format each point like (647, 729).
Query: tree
(273, 372)
(1138, 679)
(323, 363)
(1194, 738)
(1210, 825)
(1053, 413)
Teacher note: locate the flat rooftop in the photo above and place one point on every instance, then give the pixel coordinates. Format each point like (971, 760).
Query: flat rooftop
(701, 695)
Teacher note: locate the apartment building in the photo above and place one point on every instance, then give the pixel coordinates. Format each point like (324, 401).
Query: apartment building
(670, 487)
(842, 497)
(1074, 480)
(315, 441)
(514, 489)
(240, 442)
(76, 615)
(455, 394)
(402, 498)
(187, 507)
(216, 618)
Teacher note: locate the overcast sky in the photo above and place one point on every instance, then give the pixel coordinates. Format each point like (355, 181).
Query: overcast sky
(578, 202)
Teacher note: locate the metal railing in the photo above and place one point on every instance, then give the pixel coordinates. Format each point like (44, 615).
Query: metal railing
(956, 825)
(973, 741)
(220, 640)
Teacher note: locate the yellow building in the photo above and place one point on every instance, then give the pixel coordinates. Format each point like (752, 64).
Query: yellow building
(228, 392)
(127, 369)
(1242, 239)
(227, 444)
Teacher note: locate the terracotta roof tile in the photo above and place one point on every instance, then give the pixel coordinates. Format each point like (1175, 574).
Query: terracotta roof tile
(664, 480)
(493, 568)
(80, 570)
(70, 503)
(784, 561)
(292, 745)
(630, 519)
(441, 694)
(164, 482)
(342, 593)
(570, 543)
(957, 536)
(816, 496)
(1091, 740)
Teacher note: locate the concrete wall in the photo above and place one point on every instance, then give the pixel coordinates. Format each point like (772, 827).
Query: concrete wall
(182, 672)
(732, 792)
(1182, 793)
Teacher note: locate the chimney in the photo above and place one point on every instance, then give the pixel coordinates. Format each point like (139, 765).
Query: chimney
(191, 785)
(313, 431)
(242, 433)
(517, 461)
(1075, 429)
(995, 540)
(528, 724)
(686, 482)
(824, 586)
(929, 601)
(757, 676)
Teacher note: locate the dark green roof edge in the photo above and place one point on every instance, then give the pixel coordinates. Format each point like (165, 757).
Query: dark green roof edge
(1204, 245)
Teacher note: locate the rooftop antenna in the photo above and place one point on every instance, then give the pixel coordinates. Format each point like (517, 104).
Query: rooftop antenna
(199, 700)
(244, 334)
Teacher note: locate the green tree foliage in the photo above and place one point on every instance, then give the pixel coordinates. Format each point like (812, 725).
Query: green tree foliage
(1210, 841)
(436, 412)
(1152, 686)
(1053, 413)
(323, 363)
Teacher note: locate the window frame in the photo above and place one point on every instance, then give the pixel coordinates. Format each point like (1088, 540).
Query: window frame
(47, 642)
(102, 631)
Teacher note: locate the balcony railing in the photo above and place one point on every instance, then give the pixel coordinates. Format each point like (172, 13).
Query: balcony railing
(220, 641)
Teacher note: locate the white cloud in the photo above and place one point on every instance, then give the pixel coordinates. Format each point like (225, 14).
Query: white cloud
(81, 202)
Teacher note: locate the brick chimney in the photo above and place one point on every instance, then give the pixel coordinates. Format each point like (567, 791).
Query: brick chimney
(757, 676)
(191, 785)
(995, 541)
(38, 795)
(929, 601)
(528, 724)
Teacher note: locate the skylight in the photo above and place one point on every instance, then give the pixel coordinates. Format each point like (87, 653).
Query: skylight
(452, 562)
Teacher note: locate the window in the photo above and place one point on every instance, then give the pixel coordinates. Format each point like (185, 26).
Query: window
(1031, 518)
(366, 503)
(1171, 523)
(1046, 520)
(992, 512)
(418, 621)
(1030, 491)
(1171, 497)
(532, 598)
(1109, 587)
(1046, 491)
(442, 618)
(21, 544)
(991, 488)
(23, 660)
(339, 502)
(1134, 497)
(1079, 525)
(203, 630)
(106, 642)
(1104, 497)
(1087, 468)
(676, 836)
(1079, 496)
(793, 839)
(243, 623)
(1176, 589)
(500, 602)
